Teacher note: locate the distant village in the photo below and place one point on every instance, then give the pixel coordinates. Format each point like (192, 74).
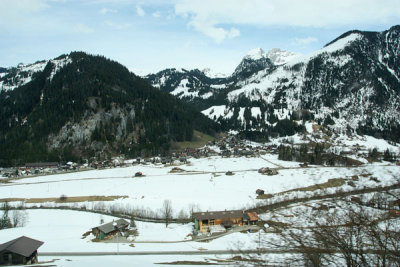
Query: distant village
(229, 146)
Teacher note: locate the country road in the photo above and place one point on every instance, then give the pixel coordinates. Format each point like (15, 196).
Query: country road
(188, 252)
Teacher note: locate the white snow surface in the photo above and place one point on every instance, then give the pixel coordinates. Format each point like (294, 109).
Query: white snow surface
(255, 54)
(213, 74)
(218, 111)
(62, 230)
(183, 90)
(338, 45)
(204, 185)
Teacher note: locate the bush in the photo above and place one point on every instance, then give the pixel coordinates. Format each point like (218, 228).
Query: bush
(63, 198)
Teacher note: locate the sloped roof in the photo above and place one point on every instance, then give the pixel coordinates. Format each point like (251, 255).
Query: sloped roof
(23, 245)
(253, 216)
(109, 227)
(227, 214)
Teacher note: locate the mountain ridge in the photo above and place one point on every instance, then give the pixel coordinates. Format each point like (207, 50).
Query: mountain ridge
(352, 82)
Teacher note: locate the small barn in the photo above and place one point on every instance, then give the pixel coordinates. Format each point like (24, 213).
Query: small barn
(260, 192)
(22, 250)
(108, 230)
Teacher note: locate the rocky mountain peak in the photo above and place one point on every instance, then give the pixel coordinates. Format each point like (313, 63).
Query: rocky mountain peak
(255, 54)
(280, 57)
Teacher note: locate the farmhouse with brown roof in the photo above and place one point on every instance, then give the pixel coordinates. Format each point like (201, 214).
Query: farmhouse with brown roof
(228, 218)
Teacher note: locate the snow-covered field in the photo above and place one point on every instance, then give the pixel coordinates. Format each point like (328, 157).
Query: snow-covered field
(203, 185)
(62, 230)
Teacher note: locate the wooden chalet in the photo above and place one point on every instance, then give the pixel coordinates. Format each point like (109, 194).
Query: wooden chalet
(250, 218)
(108, 230)
(22, 250)
(228, 218)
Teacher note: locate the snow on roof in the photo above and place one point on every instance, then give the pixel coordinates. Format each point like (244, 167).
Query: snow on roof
(109, 227)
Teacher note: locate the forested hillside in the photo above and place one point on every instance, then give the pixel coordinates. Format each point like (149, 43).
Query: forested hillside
(79, 106)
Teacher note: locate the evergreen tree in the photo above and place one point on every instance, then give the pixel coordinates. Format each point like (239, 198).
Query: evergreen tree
(5, 221)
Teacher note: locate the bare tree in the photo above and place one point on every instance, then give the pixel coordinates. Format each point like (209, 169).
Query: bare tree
(345, 234)
(167, 211)
(352, 236)
(193, 208)
(182, 215)
(19, 218)
(384, 237)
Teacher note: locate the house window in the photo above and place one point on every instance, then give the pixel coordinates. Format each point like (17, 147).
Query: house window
(212, 222)
(204, 222)
(7, 257)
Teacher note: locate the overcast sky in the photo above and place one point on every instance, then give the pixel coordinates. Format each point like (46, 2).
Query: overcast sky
(150, 35)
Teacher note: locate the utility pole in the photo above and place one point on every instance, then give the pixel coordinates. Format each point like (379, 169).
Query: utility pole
(116, 228)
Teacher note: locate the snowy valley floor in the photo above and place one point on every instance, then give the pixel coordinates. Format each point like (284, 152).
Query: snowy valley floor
(203, 186)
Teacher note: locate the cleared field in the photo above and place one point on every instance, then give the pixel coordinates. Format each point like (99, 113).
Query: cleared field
(63, 199)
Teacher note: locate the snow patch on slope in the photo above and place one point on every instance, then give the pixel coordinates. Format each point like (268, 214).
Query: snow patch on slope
(183, 90)
(280, 57)
(59, 64)
(255, 54)
(24, 73)
(336, 46)
(218, 111)
(212, 74)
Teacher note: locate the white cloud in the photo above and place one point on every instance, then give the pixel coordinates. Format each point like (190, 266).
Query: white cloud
(156, 14)
(15, 10)
(82, 28)
(104, 11)
(140, 11)
(118, 26)
(233, 33)
(304, 41)
(207, 16)
(209, 29)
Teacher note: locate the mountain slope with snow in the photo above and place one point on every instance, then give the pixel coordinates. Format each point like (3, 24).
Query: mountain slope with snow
(351, 84)
(18, 76)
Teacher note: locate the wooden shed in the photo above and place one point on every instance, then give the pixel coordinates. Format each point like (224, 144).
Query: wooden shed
(22, 250)
(108, 230)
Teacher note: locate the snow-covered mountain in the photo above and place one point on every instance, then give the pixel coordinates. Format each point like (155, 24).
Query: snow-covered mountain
(254, 61)
(351, 84)
(204, 87)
